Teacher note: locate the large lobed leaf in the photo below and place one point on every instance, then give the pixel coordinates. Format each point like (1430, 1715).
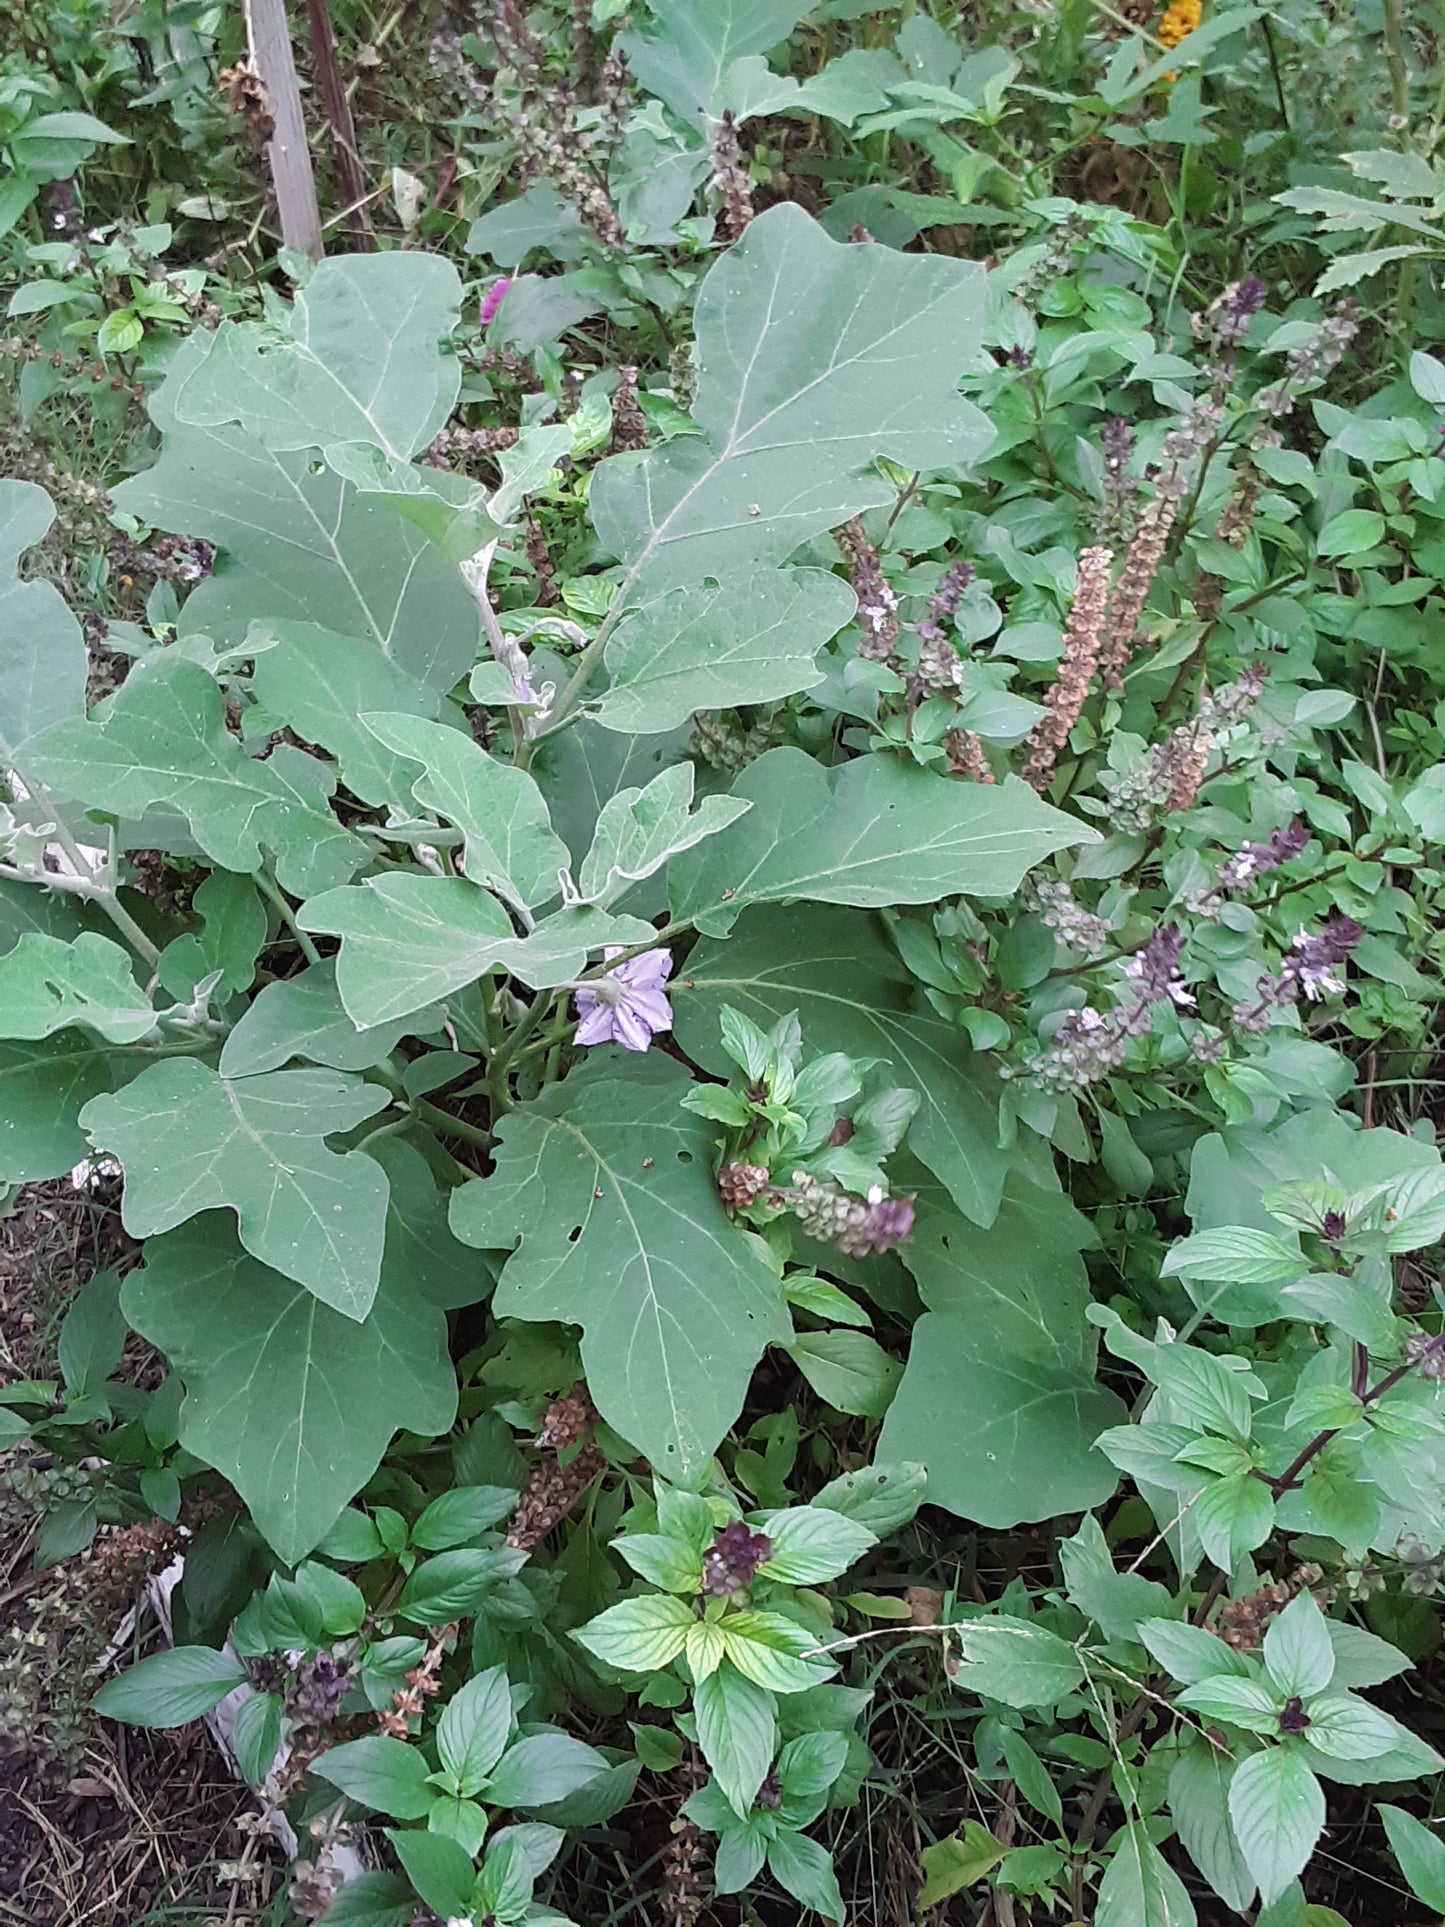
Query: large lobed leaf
(605, 1188)
(42, 652)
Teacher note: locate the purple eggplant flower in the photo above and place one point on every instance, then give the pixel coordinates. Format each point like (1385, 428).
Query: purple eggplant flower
(493, 299)
(627, 1006)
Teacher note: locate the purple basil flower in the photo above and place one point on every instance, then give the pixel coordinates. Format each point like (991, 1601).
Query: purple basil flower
(1256, 858)
(733, 1557)
(493, 299)
(1155, 969)
(886, 1222)
(1313, 961)
(627, 1006)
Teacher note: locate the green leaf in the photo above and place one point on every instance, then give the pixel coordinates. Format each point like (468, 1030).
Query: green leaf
(740, 1854)
(1005, 1340)
(190, 1140)
(43, 1087)
(232, 935)
(1421, 1855)
(170, 1688)
(661, 1560)
(504, 1886)
(1031, 1776)
(1297, 1649)
(804, 1868)
(769, 1649)
(1199, 1801)
(542, 1768)
(303, 1016)
(1235, 1255)
(881, 1497)
(852, 995)
(1017, 1662)
(384, 1774)
(957, 1862)
(453, 1584)
(605, 1187)
(1140, 1888)
(872, 831)
(1345, 1728)
(162, 739)
(795, 417)
(812, 1544)
(462, 1514)
(1189, 1653)
(372, 1900)
(410, 940)
(363, 362)
(1232, 1516)
(92, 1335)
(1115, 1601)
(1247, 1703)
(296, 540)
(1278, 1812)
(256, 1734)
(511, 846)
(639, 1635)
(639, 829)
(691, 44)
(744, 641)
(289, 1400)
(737, 1731)
(474, 1728)
(847, 1369)
(323, 684)
(42, 657)
(1362, 1659)
(437, 1868)
(1352, 533)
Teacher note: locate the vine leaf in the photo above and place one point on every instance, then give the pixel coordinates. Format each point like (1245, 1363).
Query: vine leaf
(873, 831)
(42, 663)
(1004, 1339)
(189, 1140)
(289, 1400)
(794, 416)
(364, 361)
(320, 683)
(742, 641)
(47, 985)
(511, 846)
(836, 969)
(410, 940)
(605, 1188)
(162, 739)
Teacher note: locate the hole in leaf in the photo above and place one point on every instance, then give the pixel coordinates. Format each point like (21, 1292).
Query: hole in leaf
(684, 1157)
(574, 1234)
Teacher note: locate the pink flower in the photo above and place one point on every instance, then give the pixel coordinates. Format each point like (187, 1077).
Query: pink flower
(493, 299)
(627, 1006)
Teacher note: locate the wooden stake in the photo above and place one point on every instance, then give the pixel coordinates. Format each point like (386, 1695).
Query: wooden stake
(287, 152)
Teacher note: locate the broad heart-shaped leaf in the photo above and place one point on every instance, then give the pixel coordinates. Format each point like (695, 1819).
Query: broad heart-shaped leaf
(42, 651)
(835, 968)
(47, 985)
(1278, 1810)
(296, 542)
(410, 940)
(511, 846)
(605, 1186)
(189, 1140)
(1140, 1888)
(794, 413)
(748, 640)
(322, 683)
(162, 739)
(638, 830)
(303, 1016)
(687, 45)
(291, 1402)
(872, 831)
(1004, 1341)
(364, 363)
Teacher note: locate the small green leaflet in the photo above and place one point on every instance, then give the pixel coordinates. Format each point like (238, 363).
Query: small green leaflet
(638, 830)
(190, 1140)
(42, 656)
(605, 1186)
(364, 362)
(410, 940)
(794, 415)
(162, 740)
(511, 846)
(751, 640)
(290, 1401)
(871, 832)
(47, 985)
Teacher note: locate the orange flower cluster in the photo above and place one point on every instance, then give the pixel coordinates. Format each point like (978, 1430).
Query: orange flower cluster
(1181, 17)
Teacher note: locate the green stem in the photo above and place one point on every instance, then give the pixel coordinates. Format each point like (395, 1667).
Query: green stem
(1398, 64)
(272, 891)
(449, 1126)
